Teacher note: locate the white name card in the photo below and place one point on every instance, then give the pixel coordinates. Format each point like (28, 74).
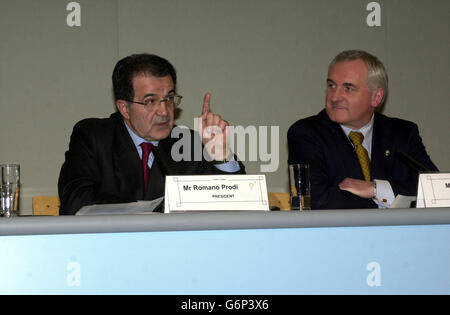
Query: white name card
(215, 192)
(433, 190)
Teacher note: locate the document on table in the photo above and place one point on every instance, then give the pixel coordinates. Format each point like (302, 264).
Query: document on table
(139, 207)
(402, 201)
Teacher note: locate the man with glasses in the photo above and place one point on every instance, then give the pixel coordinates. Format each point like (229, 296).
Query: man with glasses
(357, 156)
(125, 157)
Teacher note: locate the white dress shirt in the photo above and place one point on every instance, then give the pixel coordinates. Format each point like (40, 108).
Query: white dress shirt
(384, 194)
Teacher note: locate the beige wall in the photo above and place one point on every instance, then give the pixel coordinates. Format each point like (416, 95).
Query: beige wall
(264, 62)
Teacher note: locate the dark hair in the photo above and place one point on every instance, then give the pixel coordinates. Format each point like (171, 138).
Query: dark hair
(127, 68)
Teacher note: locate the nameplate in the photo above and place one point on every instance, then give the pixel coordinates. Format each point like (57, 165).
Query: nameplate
(215, 192)
(433, 190)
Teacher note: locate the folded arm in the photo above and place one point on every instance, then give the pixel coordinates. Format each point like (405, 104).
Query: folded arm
(304, 147)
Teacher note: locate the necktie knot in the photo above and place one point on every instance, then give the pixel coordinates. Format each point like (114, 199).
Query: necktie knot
(356, 137)
(146, 149)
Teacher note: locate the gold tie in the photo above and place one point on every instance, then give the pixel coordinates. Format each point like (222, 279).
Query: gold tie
(357, 139)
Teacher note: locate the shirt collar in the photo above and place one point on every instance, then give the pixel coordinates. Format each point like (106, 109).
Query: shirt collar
(366, 130)
(136, 139)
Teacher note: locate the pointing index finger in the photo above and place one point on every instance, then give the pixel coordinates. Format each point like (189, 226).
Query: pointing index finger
(206, 103)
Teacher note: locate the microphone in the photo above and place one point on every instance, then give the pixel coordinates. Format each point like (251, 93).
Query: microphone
(412, 163)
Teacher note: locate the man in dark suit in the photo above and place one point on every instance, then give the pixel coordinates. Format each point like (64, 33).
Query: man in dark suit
(125, 157)
(346, 173)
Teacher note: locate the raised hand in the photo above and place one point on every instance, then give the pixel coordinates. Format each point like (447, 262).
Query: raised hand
(213, 131)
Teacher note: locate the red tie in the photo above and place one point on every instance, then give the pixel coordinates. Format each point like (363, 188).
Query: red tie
(146, 149)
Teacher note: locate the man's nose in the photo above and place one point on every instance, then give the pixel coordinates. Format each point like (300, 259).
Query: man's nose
(162, 108)
(336, 94)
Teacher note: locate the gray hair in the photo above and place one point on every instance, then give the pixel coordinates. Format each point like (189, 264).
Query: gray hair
(376, 73)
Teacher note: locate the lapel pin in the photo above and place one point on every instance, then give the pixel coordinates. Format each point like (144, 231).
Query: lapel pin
(387, 153)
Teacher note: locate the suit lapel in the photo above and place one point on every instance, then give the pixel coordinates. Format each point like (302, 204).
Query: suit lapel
(157, 176)
(157, 179)
(156, 183)
(127, 163)
(345, 159)
(382, 149)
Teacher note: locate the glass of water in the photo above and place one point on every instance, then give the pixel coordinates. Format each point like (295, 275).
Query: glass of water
(10, 189)
(300, 186)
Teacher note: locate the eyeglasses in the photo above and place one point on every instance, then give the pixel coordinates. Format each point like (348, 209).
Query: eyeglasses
(153, 101)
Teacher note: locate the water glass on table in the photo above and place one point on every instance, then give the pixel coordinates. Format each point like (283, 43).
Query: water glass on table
(9, 190)
(300, 186)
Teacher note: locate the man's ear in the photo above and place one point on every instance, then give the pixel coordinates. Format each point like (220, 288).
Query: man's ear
(377, 97)
(123, 108)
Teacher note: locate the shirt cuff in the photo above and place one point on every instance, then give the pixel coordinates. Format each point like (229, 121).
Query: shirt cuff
(384, 195)
(229, 167)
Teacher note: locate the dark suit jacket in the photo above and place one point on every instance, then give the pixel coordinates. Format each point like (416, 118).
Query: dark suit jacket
(323, 144)
(103, 166)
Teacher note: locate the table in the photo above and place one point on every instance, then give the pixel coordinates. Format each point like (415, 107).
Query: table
(401, 251)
